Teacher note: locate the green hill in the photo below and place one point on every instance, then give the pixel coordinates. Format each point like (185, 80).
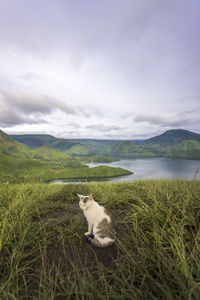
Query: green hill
(49, 156)
(81, 150)
(96, 158)
(9, 146)
(173, 137)
(39, 140)
(129, 150)
(188, 145)
(172, 143)
(17, 170)
(19, 163)
(55, 158)
(186, 150)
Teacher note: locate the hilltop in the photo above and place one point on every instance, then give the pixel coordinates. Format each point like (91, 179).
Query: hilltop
(173, 137)
(44, 254)
(39, 140)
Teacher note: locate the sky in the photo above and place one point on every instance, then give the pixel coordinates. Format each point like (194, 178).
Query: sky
(109, 69)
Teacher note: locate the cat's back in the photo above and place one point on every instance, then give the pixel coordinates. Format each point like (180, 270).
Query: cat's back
(95, 213)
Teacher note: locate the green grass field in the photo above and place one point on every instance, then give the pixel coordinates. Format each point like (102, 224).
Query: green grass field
(21, 170)
(156, 255)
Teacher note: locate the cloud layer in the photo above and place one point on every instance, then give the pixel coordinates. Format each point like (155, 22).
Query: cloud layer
(25, 108)
(99, 68)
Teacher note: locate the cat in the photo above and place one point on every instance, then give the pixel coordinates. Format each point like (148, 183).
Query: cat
(100, 227)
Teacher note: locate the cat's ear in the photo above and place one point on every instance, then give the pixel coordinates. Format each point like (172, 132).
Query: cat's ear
(90, 197)
(80, 196)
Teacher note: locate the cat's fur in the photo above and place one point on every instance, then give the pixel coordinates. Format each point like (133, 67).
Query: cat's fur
(100, 227)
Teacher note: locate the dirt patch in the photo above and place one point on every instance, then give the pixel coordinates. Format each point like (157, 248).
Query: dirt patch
(88, 255)
(56, 216)
(75, 259)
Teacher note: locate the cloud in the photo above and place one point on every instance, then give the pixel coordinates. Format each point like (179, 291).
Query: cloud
(104, 127)
(10, 118)
(30, 103)
(29, 76)
(18, 108)
(171, 121)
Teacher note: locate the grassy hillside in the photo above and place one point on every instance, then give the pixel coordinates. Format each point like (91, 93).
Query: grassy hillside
(88, 173)
(48, 156)
(192, 154)
(39, 140)
(16, 170)
(96, 158)
(172, 143)
(186, 150)
(55, 158)
(129, 150)
(9, 146)
(81, 150)
(156, 254)
(173, 137)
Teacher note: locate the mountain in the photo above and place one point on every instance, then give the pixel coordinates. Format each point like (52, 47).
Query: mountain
(93, 142)
(8, 146)
(51, 157)
(176, 144)
(169, 144)
(172, 137)
(55, 158)
(82, 150)
(129, 150)
(39, 140)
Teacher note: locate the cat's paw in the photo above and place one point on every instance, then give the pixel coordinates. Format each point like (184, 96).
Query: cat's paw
(87, 234)
(88, 237)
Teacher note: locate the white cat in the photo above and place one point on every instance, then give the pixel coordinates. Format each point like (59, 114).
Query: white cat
(100, 227)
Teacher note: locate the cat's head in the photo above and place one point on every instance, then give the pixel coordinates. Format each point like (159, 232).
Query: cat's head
(85, 201)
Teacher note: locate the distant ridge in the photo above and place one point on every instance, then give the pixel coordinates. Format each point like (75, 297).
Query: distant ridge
(39, 140)
(173, 136)
(47, 155)
(174, 143)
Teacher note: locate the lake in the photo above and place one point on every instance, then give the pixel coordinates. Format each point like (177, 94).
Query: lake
(152, 168)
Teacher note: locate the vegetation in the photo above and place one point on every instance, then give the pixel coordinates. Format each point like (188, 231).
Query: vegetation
(156, 254)
(9, 146)
(22, 164)
(129, 150)
(91, 173)
(96, 158)
(50, 157)
(39, 140)
(15, 170)
(54, 158)
(173, 137)
(192, 154)
(81, 150)
(172, 143)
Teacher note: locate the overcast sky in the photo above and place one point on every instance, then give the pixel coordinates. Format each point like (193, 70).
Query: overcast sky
(108, 69)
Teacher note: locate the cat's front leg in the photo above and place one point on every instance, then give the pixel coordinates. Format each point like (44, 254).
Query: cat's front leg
(90, 227)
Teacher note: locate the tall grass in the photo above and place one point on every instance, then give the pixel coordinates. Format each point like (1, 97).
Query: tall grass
(156, 256)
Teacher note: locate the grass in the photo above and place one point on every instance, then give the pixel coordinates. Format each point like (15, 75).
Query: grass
(95, 172)
(156, 255)
(16, 170)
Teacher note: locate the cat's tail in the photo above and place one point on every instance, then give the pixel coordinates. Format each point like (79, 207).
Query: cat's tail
(103, 243)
